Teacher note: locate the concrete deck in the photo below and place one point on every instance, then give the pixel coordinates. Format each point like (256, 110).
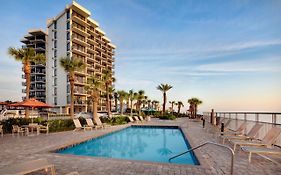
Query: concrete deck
(214, 160)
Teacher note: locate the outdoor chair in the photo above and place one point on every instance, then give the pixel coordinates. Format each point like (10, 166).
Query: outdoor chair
(141, 118)
(267, 141)
(136, 119)
(131, 119)
(78, 126)
(18, 130)
(99, 123)
(260, 150)
(1, 130)
(251, 134)
(42, 128)
(91, 124)
(238, 131)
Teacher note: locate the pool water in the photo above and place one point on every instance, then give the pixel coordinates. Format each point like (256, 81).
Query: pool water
(153, 144)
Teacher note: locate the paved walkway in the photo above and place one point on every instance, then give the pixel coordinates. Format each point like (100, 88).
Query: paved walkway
(214, 160)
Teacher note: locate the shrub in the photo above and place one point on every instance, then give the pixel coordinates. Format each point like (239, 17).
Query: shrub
(117, 120)
(167, 117)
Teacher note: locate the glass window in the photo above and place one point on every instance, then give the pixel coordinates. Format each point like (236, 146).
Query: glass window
(68, 25)
(68, 14)
(55, 62)
(55, 35)
(55, 72)
(68, 88)
(55, 101)
(68, 99)
(68, 47)
(55, 44)
(55, 81)
(68, 35)
(55, 24)
(55, 53)
(55, 90)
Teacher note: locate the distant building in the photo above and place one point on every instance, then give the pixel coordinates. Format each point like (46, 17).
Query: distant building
(74, 34)
(36, 38)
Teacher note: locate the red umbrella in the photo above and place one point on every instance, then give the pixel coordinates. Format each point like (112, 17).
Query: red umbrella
(32, 103)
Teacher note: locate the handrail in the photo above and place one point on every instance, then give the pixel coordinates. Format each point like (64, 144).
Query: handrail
(212, 143)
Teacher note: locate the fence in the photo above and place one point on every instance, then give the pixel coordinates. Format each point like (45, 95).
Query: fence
(268, 120)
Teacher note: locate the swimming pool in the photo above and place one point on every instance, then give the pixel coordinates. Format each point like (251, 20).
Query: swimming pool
(146, 143)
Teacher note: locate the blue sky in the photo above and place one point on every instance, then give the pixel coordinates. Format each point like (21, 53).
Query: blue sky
(227, 53)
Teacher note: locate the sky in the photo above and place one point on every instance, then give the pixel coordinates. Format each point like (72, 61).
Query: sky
(226, 53)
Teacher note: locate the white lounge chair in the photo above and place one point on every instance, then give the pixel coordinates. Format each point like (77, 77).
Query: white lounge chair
(260, 150)
(251, 134)
(141, 118)
(267, 141)
(78, 126)
(90, 123)
(136, 119)
(131, 119)
(99, 123)
(18, 130)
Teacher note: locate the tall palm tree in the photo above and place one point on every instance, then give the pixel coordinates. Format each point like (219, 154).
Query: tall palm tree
(115, 94)
(70, 66)
(194, 102)
(122, 95)
(164, 88)
(94, 87)
(108, 80)
(111, 92)
(180, 104)
(144, 101)
(132, 97)
(26, 57)
(139, 97)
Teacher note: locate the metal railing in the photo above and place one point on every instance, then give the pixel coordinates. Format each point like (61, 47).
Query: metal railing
(212, 143)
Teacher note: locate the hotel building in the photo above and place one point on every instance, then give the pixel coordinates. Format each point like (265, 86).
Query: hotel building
(74, 34)
(36, 38)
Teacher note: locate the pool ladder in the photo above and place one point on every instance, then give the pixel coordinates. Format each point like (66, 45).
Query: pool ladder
(212, 143)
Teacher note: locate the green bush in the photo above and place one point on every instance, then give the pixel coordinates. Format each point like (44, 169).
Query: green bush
(167, 117)
(117, 120)
(61, 125)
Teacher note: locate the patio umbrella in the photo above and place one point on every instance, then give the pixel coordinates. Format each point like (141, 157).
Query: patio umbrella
(31, 103)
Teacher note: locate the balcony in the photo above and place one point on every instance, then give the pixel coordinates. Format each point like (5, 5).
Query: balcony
(80, 21)
(79, 51)
(91, 50)
(80, 31)
(79, 41)
(91, 41)
(80, 80)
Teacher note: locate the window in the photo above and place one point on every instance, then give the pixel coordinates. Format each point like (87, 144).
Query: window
(55, 44)
(55, 62)
(55, 72)
(68, 46)
(68, 88)
(55, 35)
(55, 81)
(68, 25)
(55, 101)
(55, 24)
(68, 35)
(55, 53)
(68, 99)
(68, 14)
(55, 91)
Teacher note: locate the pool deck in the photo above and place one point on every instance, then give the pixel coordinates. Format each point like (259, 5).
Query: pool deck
(214, 160)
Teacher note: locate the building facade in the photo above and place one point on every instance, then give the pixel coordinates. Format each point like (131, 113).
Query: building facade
(75, 35)
(36, 38)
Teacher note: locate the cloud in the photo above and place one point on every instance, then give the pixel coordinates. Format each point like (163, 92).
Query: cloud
(133, 83)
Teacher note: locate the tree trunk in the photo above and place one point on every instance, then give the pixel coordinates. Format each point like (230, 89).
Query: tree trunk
(95, 105)
(116, 104)
(164, 102)
(107, 101)
(179, 109)
(71, 81)
(27, 72)
(131, 108)
(121, 106)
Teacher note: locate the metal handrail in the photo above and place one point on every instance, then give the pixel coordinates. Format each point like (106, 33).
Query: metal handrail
(212, 143)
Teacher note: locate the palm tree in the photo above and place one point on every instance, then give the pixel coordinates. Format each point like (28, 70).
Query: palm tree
(115, 94)
(180, 104)
(70, 66)
(108, 80)
(111, 92)
(94, 87)
(194, 102)
(144, 101)
(140, 97)
(26, 57)
(132, 97)
(122, 95)
(172, 103)
(164, 88)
